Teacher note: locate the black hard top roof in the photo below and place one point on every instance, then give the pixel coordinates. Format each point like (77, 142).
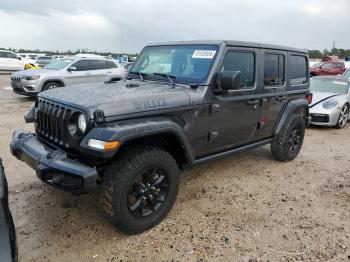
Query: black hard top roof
(232, 43)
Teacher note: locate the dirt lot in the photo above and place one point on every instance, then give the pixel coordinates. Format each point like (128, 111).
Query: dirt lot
(244, 208)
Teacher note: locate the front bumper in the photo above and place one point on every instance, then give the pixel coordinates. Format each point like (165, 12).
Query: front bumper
(26, 87)
(53, 166)
(324, 117)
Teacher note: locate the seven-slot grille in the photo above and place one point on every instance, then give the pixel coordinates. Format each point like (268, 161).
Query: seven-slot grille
(52, 121)
(16, 79)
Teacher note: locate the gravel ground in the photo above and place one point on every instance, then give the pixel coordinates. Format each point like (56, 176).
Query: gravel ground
(244, 208)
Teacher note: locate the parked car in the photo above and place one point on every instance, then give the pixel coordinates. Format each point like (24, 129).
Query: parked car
(327, 68)
(65, 72)
(28, 58)
(8, 243)
(43, 61)
(182, 104)
(9, 61)
(330, 102)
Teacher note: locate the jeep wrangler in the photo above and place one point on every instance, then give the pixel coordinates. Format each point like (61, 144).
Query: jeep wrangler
(181, 104)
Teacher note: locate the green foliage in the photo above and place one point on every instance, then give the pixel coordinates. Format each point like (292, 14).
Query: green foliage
(341, 53)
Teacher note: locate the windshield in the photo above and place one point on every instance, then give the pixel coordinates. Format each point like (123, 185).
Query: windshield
(338, 86)
(183, 63)
(317, 65)
(59, 64)
(347, 73)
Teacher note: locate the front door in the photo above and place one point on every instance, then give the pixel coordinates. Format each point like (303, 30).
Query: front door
(234, 114)
(82, 73)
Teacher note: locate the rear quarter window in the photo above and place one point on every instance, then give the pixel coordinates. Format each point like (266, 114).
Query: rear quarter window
(298, 71)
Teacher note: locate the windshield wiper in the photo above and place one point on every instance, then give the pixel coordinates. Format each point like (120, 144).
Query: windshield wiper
(141, 75)
(170, 78)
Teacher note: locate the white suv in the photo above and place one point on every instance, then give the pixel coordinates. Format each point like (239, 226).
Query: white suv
(9, 61)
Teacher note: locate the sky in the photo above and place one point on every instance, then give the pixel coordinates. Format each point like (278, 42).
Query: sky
(127, 26)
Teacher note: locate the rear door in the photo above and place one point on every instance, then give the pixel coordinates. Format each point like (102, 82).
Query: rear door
(234, 114)
(274, 95)
(100, 71)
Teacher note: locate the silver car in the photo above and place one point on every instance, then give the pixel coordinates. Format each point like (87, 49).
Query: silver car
(65, 72)
(330, 101)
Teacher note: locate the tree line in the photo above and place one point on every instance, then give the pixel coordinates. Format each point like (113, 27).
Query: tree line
(68, 52)
(341, 53)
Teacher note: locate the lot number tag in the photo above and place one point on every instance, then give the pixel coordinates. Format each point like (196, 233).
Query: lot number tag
(206, 54)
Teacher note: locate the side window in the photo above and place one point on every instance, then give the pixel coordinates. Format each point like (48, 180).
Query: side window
(3, 55)
(338, 65)
(82, 65)
(243, 62)
(97, 65)
(274, 70)
(327, 66)
(11, 55)
(111, 64)
(298, 70)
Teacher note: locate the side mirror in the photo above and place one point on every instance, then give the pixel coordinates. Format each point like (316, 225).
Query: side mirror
(19, 58)
(229, 80)
(71, 68)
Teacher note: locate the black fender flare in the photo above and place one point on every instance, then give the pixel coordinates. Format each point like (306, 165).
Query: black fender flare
(131, 130)
(292, 107)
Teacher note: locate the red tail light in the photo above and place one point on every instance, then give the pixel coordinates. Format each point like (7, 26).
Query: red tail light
(309, 98)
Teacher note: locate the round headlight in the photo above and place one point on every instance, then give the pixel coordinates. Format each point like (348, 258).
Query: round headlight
(82, 123)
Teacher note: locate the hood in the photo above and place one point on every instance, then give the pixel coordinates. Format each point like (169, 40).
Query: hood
(318, 97)
(32, 72)
(123, 97)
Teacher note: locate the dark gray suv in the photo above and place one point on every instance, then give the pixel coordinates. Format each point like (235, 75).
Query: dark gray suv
(182, 104)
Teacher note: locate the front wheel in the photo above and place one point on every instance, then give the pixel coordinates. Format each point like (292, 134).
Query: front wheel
(343, 117)
(139, 189)
(287, 144)
(51, 85)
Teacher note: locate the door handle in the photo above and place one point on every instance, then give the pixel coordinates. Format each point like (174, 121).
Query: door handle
(253, 102)
(88, 74)
(214, 108)
(281, 98)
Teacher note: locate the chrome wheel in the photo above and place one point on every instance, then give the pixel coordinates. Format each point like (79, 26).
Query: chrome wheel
(343, 116)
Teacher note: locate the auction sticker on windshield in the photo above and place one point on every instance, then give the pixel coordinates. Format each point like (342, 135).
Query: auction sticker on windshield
(206, 54)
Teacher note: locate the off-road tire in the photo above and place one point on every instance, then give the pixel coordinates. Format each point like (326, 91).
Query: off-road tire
(119, 176)
(51, 85)
(280, 147)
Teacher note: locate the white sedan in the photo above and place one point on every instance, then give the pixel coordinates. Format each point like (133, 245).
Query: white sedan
(9, 61)
(330, 101)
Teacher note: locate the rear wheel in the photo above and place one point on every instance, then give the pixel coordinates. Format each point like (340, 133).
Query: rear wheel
(287, 144)
(343, 117)
(139, 189)
(51, 85)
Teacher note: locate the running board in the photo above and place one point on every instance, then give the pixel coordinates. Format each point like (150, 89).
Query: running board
(237, 150)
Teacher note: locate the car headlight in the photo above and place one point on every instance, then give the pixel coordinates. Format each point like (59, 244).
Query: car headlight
(329, 103)
(31, 77)
(82, 123)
